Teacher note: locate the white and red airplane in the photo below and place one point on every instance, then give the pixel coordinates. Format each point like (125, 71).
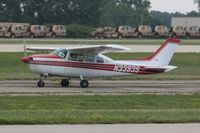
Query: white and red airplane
(89, 61)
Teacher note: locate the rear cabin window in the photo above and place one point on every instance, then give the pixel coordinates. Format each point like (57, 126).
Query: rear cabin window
(89, 58)
(100, 59)
(76, 57)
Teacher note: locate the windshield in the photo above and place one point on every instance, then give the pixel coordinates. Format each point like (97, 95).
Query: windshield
(60, 52)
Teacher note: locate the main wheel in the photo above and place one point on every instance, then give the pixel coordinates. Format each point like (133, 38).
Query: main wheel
(140, 36)
(53, 36)
(40, 83)
(32, 36)
(65, 82)
(13, 36)
(96, 37)
(120, 36)
(84, 83)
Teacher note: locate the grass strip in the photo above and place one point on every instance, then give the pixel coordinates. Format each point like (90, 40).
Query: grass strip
(99, 109)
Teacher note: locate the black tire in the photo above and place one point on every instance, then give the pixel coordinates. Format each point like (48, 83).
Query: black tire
(32, 36)
(84, 83)
(156, 36)
(65, 83)
(140, 36)
(96, 37)
(174, 35)
(54, 36)
(188, 36)
(40, 83)
(101, 37)
(120, 37)
(13, 36)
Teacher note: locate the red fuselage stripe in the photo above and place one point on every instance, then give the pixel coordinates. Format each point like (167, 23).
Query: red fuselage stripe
(105, 67)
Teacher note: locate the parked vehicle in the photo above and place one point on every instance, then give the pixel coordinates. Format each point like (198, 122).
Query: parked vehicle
(192, 32)
(4, 30)
(19, 30)
(106, 32)
(56, 31)
(144, 31)
(38, 31)
(160, 31)
(177, 31)
(126, 32)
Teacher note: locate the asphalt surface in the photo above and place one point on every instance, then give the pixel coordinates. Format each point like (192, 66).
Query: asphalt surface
(101, 87)
(116, 128)
(134, 48)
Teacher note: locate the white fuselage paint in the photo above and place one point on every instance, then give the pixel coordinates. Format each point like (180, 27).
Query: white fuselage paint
(72, 71)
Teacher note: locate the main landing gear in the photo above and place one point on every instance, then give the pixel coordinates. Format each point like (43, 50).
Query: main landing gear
(64, 82)
(84, 83)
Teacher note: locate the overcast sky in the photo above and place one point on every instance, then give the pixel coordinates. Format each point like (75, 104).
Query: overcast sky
(182, 6)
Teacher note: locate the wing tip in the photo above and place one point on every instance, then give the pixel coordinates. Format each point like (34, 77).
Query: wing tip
(173, 40)
(120, 47)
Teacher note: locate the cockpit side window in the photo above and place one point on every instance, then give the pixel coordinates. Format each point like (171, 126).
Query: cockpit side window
(60, 52)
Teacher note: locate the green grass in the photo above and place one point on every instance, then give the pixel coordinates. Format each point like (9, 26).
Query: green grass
(188, 67)
(99, 109)
(12, 68)
(95, 41)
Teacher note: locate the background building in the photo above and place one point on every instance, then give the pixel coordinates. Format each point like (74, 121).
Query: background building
(185, 21)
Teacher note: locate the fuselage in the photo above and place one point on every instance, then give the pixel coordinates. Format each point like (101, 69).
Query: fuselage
(53, 65)
(89, 62)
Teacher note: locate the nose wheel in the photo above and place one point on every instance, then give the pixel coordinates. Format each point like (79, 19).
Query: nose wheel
(40, 83)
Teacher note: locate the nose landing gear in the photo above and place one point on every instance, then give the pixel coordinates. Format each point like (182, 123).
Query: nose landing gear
(41, 83)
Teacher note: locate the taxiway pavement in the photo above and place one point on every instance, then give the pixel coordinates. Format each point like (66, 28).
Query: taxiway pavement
(101, 87)
(102, 128)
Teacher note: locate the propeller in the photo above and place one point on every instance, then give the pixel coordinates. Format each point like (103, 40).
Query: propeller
(24, 44)
(25, 52)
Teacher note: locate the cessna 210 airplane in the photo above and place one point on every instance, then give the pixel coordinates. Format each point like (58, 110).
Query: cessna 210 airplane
(89, 61)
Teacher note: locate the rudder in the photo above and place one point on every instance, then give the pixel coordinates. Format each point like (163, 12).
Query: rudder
(164, 54)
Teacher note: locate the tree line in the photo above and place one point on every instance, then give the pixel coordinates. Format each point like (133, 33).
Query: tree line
(92, 13)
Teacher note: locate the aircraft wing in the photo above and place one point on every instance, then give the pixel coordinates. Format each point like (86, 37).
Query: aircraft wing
(98, 49)
(49, 49)
(84, 49)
